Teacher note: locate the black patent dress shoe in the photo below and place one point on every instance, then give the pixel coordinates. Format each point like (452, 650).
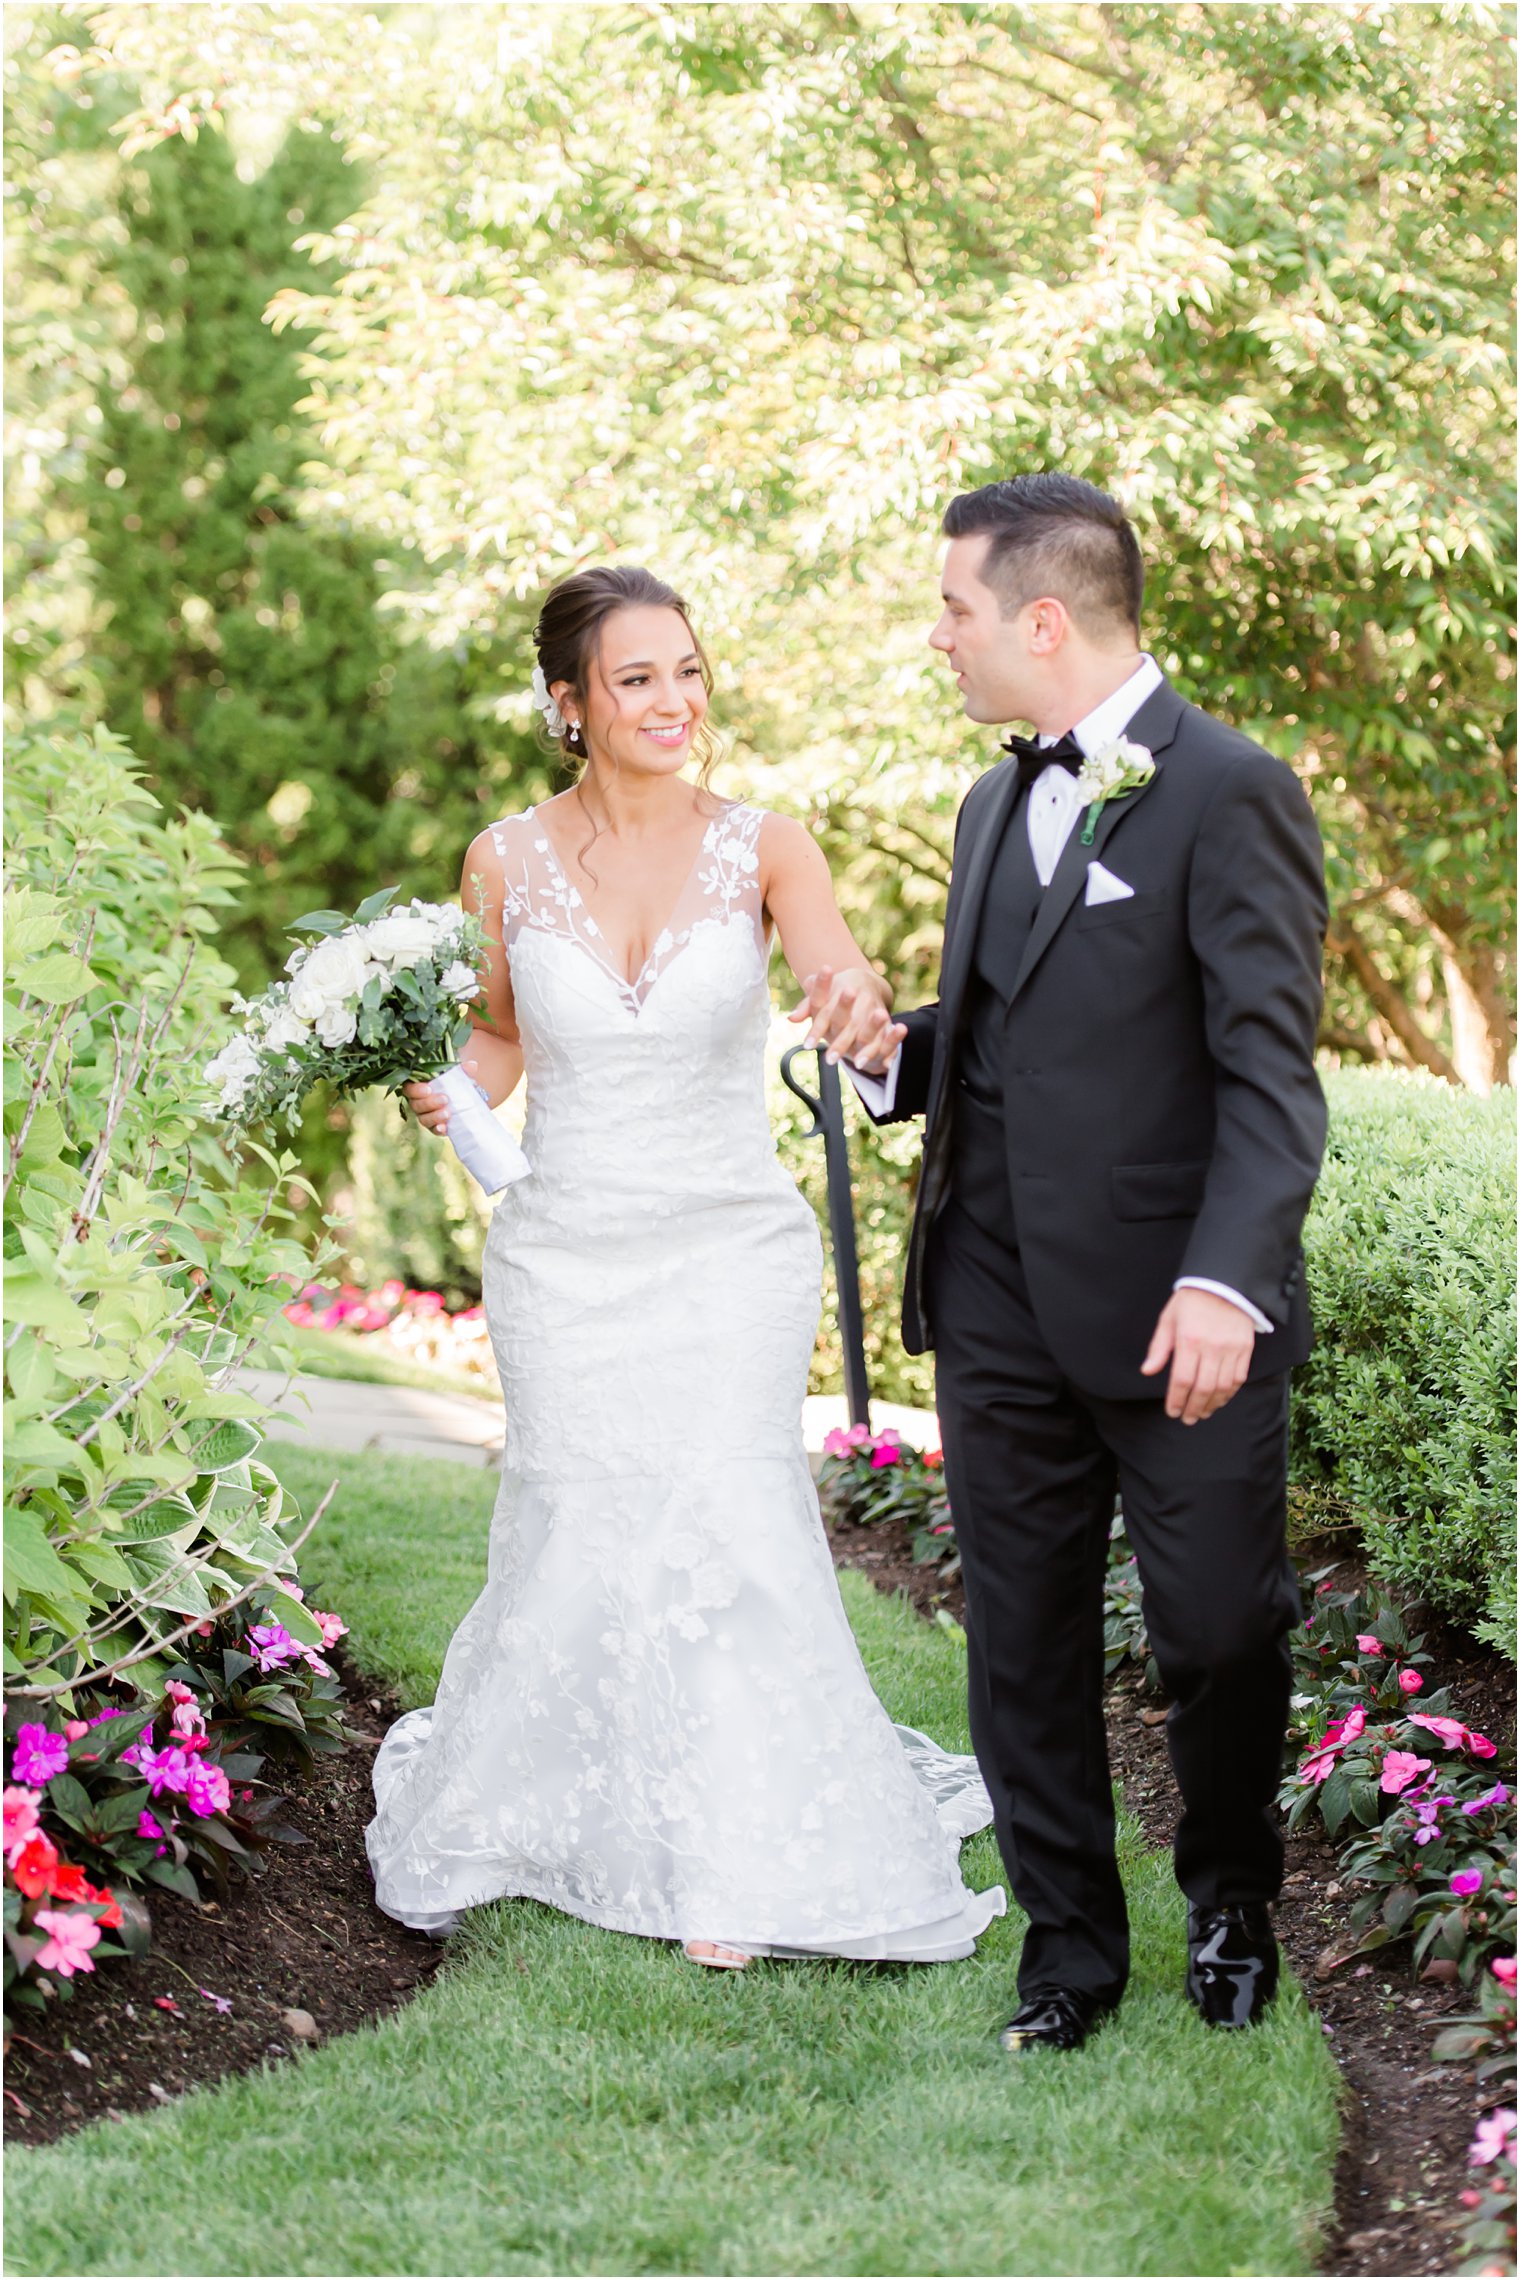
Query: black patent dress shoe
(1061, 2018)
(1232, 1964)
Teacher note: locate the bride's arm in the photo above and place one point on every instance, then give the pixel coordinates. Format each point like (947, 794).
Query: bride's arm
(848, 1005)
(493, 1056)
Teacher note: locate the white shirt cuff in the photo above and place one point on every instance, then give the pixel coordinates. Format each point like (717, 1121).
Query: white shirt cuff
(1223, 1290)
(878, 1093)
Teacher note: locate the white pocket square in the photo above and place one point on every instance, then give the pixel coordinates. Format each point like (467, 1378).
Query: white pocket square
(1103, 886)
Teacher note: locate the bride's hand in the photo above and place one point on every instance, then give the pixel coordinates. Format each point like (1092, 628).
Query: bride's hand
(849, 1013)
(430, 1108)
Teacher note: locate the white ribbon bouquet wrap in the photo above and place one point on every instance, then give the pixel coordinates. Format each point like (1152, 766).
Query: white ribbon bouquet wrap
(376, 999)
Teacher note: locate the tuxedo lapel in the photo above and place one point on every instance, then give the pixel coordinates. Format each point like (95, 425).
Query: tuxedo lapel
(1154, 726)
(971, 890)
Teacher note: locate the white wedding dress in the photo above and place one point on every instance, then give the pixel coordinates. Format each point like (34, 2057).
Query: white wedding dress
(655, 1715)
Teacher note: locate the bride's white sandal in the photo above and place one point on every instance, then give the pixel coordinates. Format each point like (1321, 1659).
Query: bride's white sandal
(719, 1957)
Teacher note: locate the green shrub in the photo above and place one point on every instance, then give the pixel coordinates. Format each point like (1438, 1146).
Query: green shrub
(1405, 1411)
(140, 1265)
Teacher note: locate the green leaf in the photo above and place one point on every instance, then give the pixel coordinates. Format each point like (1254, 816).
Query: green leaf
(319, 922)
(28, 1298)
(228, 1445)
(166, 1516)
(373, 906)
(31, 1563)
(57, 979)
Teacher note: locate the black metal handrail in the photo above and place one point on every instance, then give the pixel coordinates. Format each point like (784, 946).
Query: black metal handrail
(828, 1118)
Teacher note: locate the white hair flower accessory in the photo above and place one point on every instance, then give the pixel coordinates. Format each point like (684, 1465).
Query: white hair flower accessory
(554, 719)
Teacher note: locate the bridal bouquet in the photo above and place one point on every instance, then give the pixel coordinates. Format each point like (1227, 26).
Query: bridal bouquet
(376, 999)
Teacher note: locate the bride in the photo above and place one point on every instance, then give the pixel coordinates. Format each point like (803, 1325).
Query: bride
(655, 1716)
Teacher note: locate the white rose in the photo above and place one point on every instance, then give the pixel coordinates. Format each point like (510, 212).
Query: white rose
(285, 1030)
(335, 973)
(460, 980)
(233, 1069)
(336, 1024)
(400, 939)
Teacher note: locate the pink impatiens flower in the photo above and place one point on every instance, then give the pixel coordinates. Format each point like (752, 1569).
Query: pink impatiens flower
(1495, 2135)
(164, 1769)
(1503, 1969)
(1410, 1682)
(1367, 1644)
(1320, 1763)
(39, 1755)
(146, 1825)
(838, 1443)
(1454, 1734)
(20, 1818)
(74, 1729)
(1466, 1881)
(333, 1627)
(207, 1789)
(885, 1453)
(1400, 1768)
(72, 1932)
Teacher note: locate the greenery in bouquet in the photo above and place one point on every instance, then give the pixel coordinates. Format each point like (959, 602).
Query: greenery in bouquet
(373, 1000)
(869, 1478)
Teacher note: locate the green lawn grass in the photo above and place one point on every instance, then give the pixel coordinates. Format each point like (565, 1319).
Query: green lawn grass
(355, 1355)
(565, 2100)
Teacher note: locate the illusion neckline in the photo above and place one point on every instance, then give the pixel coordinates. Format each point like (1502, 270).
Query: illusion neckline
(632, 984)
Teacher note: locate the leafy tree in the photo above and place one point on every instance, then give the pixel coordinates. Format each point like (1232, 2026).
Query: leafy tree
(750, 290)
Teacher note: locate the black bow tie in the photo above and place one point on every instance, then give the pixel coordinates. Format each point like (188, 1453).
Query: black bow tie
(1033, 759)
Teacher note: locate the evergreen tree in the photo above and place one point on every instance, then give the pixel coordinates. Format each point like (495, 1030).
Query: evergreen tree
(242, 652)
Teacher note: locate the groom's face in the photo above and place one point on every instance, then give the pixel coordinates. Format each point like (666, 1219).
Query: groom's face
(988, 653)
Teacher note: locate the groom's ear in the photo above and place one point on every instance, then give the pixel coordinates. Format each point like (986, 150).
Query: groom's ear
(1048, 624)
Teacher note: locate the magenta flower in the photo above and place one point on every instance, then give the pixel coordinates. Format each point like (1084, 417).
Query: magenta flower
(72, 1932)
(20, 1818)
(207, 1789)
(1454, 1734)
(146, 1825)
(1400, 1768)
(1320, 1763)
(1410, 1682)
(271, 1644)
(164, 1769)
(1495, 2135)
(885, 1453)
(1498, 1795)
(1503, 1969)
(39, 1755)
(1466, 1881)
(1367, 1644)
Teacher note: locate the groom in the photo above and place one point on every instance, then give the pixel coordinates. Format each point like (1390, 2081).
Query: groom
(1123, 1130)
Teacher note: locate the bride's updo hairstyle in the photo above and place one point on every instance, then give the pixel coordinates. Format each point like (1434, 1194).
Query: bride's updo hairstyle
(568, 638)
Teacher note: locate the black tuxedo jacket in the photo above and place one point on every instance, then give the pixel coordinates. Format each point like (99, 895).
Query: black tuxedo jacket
(1162, 1110)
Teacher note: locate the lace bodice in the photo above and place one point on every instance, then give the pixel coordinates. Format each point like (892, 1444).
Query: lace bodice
(723, 888)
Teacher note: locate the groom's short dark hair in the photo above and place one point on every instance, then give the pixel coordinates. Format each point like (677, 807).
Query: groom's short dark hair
(1055, 534)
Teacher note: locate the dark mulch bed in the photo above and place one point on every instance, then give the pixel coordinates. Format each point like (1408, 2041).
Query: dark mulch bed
(1407, 2121)
(305, 1937)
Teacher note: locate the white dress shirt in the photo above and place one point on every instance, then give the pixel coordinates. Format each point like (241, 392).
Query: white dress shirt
(1052, 807)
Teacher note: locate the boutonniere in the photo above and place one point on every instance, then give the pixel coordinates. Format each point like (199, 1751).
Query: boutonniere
(1107, 774)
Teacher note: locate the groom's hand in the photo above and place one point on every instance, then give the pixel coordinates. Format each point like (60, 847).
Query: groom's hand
(1208, 1342)
(849, 1013)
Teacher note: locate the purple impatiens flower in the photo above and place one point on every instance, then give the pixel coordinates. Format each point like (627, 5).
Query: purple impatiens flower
(39, 1755)
(271, 1644)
